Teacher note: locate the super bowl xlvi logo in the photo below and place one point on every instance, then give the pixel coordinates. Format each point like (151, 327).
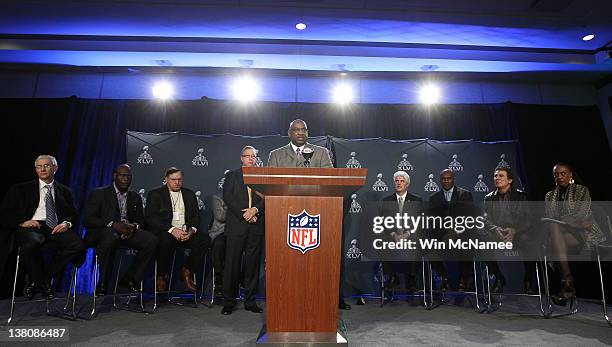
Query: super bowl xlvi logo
(355, 207)
(200, 202)
(200, 159)
(145, 158)
(455, 165)
(143, 197)
(353, 252)
(221, 182)
(380, 185)
(258, 162)
(431, 186)
(502, 162)
(303, 231)
(353, 163)
(404, 164)
(480, 186)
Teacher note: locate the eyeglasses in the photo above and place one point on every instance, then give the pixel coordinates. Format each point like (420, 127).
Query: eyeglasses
(45, 166)
(299, 130)
(249, 156)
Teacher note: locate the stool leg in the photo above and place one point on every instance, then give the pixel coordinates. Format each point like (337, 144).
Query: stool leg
(10, 318)
(603, 292)
(75, 271)
(117, 282)
(476, 286)
(171, 275)
(95, 274)
(142, 296)
(155, 287)
(69, 291)
(537, 269)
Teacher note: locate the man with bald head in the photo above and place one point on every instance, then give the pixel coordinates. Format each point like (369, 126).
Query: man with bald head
(291, 155)
(451, 201)
(114, 217)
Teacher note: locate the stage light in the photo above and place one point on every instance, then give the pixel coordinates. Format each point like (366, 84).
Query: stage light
(429, 94)
(245, 89)
(343, 94)
(300, 26)
(588, 37)
(162, 90)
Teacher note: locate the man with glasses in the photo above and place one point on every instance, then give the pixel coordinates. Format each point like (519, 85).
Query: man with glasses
(43, 212)
(244, 233)
(291, 154)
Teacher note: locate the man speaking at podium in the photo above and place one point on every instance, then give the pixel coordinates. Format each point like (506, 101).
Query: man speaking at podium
(298, 154)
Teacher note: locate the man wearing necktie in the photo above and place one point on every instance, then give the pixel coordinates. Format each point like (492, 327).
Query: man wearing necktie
(43, 212)
(291, 155)
(451, 201)
(244, 231)
(401, 202)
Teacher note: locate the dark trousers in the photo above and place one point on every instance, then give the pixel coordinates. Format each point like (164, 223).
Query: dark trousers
(249, 243)
(107, 240)
(70, 248)
(198, 244)
(218, 257)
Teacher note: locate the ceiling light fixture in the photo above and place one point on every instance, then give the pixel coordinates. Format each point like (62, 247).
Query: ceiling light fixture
(588, 37)
(300, 26)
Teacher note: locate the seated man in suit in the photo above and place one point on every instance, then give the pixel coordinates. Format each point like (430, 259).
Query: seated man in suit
(451, 201)
(291, 154)
(172, 215)
(114, 216)
(244, 233)
(507, 219)
(401, 202)
(42, 211)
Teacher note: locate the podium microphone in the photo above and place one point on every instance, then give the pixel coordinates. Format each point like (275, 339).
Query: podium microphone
(307, 154)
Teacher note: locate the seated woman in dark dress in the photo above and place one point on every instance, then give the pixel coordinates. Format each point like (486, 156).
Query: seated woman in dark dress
(571, 226)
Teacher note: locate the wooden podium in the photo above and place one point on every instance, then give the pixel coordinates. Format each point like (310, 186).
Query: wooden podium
(303, 212)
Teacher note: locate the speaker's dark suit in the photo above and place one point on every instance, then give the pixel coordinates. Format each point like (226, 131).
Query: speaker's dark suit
(413, 206)
(101, 209)
(158, 214)
(241, 236)
(460, 204)
(19, 205)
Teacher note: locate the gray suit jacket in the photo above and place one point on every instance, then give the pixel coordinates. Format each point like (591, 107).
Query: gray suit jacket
(286, 157)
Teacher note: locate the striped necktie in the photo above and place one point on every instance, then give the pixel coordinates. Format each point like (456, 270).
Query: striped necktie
(51, 218)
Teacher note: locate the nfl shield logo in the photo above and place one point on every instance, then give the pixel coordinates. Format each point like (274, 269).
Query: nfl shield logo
(303, 231)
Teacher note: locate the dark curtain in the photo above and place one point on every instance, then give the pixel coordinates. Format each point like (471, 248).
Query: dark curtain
(88, 136)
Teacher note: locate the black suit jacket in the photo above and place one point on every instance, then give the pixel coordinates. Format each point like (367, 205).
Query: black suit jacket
(519, 215)
(158, 212)
(236, 198)
(413, 206)
(103, 207)
(461, 204)
(22, 199)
